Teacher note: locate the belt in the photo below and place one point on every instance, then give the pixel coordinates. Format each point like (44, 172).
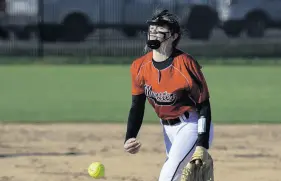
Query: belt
(172, 122)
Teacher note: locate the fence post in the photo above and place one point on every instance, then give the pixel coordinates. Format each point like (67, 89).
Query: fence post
(40, 22)
(102, 22)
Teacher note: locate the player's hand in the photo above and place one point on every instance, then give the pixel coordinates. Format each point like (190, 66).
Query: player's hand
(200, 155)
(132, 146)
(198, 162)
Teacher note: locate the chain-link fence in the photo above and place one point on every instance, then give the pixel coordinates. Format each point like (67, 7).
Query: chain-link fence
(118, 28)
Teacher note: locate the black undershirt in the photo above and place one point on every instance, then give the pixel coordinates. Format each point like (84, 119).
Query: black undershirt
(136, 113)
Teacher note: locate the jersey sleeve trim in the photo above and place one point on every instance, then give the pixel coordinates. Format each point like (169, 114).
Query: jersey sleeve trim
(194, 70)
(136, 75)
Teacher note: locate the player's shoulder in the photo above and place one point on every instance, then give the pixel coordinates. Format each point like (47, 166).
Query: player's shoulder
(141, 61)
(186, 59)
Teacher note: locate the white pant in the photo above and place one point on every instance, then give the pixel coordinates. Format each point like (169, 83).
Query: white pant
(180, 142)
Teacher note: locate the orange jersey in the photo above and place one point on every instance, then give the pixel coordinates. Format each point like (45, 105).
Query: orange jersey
(173, 90)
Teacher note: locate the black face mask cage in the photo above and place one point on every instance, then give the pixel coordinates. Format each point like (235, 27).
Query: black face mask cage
(159, 21)
(160, 32)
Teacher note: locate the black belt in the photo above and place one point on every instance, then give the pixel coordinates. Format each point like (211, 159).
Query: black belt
(172, 122)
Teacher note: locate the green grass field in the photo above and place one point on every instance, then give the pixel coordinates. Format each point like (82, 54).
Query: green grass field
(29, 93)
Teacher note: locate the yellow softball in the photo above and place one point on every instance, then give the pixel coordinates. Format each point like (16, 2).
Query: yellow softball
(96, 170)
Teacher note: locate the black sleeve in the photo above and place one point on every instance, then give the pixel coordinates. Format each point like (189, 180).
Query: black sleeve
(205, 111)
(135, 116)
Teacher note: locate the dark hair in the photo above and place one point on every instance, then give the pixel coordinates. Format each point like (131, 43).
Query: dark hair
(164, 17)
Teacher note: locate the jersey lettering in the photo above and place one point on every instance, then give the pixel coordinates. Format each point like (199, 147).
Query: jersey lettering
(159, 98)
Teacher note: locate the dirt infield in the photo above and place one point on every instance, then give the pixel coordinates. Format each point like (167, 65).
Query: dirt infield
(62, 152)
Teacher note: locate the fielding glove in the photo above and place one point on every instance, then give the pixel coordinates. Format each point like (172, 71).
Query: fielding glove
(200, 168)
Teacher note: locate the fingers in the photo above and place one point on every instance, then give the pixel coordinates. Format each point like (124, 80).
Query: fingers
(135, 149)
(132, 146)
(198, 162)
(131, 140)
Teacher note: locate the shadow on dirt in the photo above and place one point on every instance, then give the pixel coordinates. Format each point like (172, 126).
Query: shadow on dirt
(9, 155)
(260, 155)
(72, 174)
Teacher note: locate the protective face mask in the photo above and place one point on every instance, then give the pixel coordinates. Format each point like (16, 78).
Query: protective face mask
(155, 44)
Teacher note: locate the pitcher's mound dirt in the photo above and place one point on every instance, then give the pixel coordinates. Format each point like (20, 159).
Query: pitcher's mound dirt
(62, 152)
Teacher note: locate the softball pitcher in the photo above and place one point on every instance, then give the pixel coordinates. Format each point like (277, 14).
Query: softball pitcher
(173, 83)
